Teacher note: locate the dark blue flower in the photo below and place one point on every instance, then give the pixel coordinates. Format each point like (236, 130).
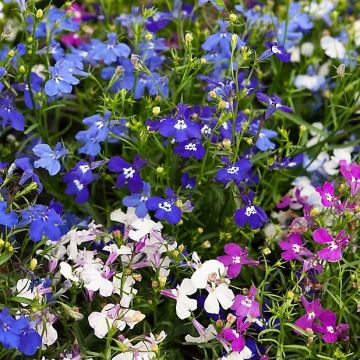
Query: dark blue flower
(187, 182)
(273, 104)
(28, 173)
(9, 114)
(30, 340)
(165, 209)
(48, 157)
(179, 127)
(288, 162)
(138, 201)
(190, 148)
(128, 174)
(7, 219)
(250, 214)
(9, 330)
(44, 221)
(236, 172)
(275, 49)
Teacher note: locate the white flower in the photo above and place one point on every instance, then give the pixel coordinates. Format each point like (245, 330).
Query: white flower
(333, 47)
(317, 135)
(332, 166)
(94, 280)
(307, 191)
(219, 294)
(244, 354)
(211, 268)
(307, 49)
(143, 227)
(46, 330)
(209, 334)
(67, 272)
(124, 218)
(127, 291)
(295, 54)
(312, 83)
(184, 305)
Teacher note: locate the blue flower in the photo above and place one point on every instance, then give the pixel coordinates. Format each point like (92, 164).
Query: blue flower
(9, 330)
(165, 209)
(138, 201)
(187, 182)
(28, 173)
(43, 220)
(30, 340)
(190, 148)
(288, 162)
(110, 51)
(275, 49)
(7, 219)
(180, 127)
(236, 172)
(273, 104)
(62, 78)
(9, 114)
(128, 174)
(49, 158)
(250, 214)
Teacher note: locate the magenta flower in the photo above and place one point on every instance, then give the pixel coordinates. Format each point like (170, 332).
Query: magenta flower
(293, 248)
(328, 328)
(247, 305)
(352, 175)
(234, 260)
(235, 337)
(327, 194)
(313, 311)
(333, 252)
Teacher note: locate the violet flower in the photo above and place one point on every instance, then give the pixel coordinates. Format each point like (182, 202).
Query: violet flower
(275, 49)
(273, 104)
(327, 194)
(313, 311)
(247, 305)
(293, 247)
(328, 328)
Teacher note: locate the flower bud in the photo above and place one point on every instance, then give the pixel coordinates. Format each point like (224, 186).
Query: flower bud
(32, 265)
(7, 29)
(266, 251)
(11, 53)
(155, 284)
(200, 230)
(234, 40)
(2, 242)
(314, 212)
(203, 61)
(232, 17)
(148, 36)
(341, 70)
(39, 14)
(206, 244)
(181, 248)
(188, 38)
(22, 69)
(159, 170)
(156, 110)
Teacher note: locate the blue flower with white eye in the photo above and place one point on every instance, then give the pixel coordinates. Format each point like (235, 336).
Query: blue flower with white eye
(49, 159)
(236, 172)
(165, 209)
(43, 220)
(9, 114)
(138, 201)
(190, 148)
(28, 172)
(250, 214)
(109, 51)
(275, 49)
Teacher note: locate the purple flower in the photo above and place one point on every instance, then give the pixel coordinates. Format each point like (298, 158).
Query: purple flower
(333, 252)
(288, 162)
(128, 174)
(165, 208)
(275, 49)
(9, 219)
(234, 260)
(43, 220)
(352, 175)
(237, 340)
(179, 127)
(190, 148)
(188, 182)
(9, 114)
(236, 172)
(273, 104)
(26, 167)
(250, 214)
(327, 192)
(138, 201)
(247, 305)
(293, 248)
(49, 158)
(328, 328)
(313, 310)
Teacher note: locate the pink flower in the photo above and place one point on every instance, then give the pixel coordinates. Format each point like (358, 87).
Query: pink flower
(332, 252)
(247, 305)
(328, 328)
(327, 194)
(235, 258)
(293, 248)
(313, 310)
(352, 175)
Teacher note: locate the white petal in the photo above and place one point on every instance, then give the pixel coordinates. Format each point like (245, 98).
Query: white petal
(225, 296)
(100, 323)
(187, 287)
(106, 287)
(211, 304)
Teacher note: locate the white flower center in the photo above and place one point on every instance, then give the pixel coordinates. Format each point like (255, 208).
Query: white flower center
(250, 210)
(333, 246)
(275, 50)
(180, 125)
(296, 248)
(330, 329)
(191, 147)
(232, 170)
(311, 315)
(78, 184)
(247, 302)
(165, 206)
(236, 259)
(129, 172)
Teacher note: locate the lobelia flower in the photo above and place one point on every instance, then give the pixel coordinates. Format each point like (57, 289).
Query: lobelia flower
(331, 332)
(247, 306)
(236, 172)
(28, 173)
(48, 157)
(184, 305)
(327, 192)
(180, 127)
(30, 340)
(44, 221)
(333, 252)
(96, 278)
(275, 49)
(293, 247)
(9, 219)
(333, 47)
(128, 174)
(110, 51)
(190, 148)
(273, 104)
(138, 201)
(165, 208)
(352, 175)
(313, 311)
(236, 337)
(9, 114)
(250, 214)
(213, 271)
(234, 260)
